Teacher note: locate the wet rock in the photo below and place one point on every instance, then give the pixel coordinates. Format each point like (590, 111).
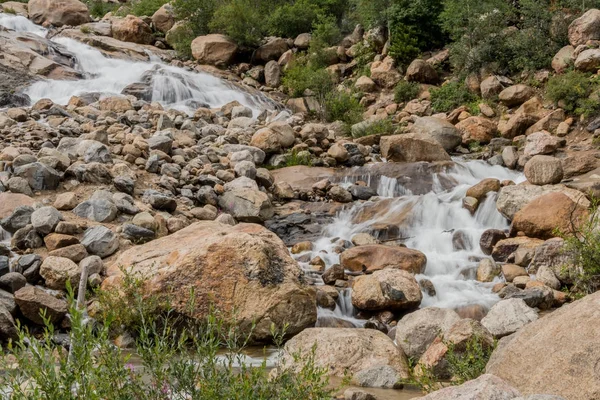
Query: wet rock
(33, 300)
(100, 241)
(487, 270)
(489, 238)
(388, 289)
(333, 274)
(376, 257)
(480, 190)
(358, 394)
(417, 330)
(508, 316)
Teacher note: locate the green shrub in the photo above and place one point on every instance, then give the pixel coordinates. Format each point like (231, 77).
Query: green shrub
(181, 39)
(8, 10)
(294, 158)
(363, 57)
(343, 106)
(469, 363)
(450, 96)
(241, 20)
(572, 90)
(302, 76)
(146, 7)
(99, 9)
(175, 363)
(406, 91)
(198, 14)
(368, 128)
(290, 20)
(85, 29)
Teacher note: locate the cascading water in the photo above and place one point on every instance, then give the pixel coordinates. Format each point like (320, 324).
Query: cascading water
(431, 223)
(173, 87)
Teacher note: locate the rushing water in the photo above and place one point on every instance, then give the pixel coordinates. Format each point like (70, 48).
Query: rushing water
(430, 223)
(173, 87)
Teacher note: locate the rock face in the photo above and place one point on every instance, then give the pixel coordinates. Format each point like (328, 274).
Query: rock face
(488, 387)
(417, 330)
(132, 29)
(164, 18)
(546, 213)
(388, 289)
(568, 364)
(508, 316)
(412, 147)
(214, 49)
(543, 170)
(584, 28)
(243, 267)
(375, 257)
(356, 351)
(58, 12)
(441, 130)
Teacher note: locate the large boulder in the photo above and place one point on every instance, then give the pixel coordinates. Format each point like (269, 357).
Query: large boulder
(214, 49)
(588, 60)
(58, 12)
(516, 95)
(244, 269)
(274, 138)
(384, 73)
(542, 143)
(564, 59)
(441, 130)
(584, 28)
(132, 29)
(374, 257)
(412, 147)
(164, 18)
(486, 387)
(542, 216)
(508, 316)
(32, 301)
(348, 351)
(421, 71)
(557, 354)
(388, 289)
(513, 198)
(247, 204)
(543, 170)
(271, 50)
(477, 129)
(417, 330)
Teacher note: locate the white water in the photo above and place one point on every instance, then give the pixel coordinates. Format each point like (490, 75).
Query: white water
(173, 87)
(429, 226)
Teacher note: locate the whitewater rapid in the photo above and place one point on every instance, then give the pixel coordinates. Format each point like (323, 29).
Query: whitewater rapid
(173, 87)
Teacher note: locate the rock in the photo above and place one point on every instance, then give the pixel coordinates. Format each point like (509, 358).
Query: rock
(489, 238)
(371, 258)
(245, 268)
(488, 387)
(491, 87)
(100, 241)
(505, 248)
(33, 300)
(584, 28)
(547, 276)
(132, 29)
(74, 252)
(339, 194)
(476, 129)
(333, 274)
(164, 18)
(137, 234)
(363, 239)
(55, 241)
(513, 198)
(93, 264)
(339, 153)
(8, 329)
(567, 365)
(214, 49)
(66, 201)
(20, 218)
(417, 330)
(541, 217)
(535, 297)
(57, 271)
(508, 316)
(277, 137)
(422, 72)
(388, 289)
(357, 394)
(441, 130)
(362, 192)
(382, 376)
(412, 147)
(12, 281)
(247, 205)
(58, 13)
(384, 73)
(480, 190)
(511, 271)
(99, 210)
(516, 95)
(272, 74)
(271, 50)
(487, 270)
(160, 201)
(365, 84)
(26, 238)
(564, 59)
(588, 60)
(45, 219)
(541, 143)
(347, 350)
(39, 176)
(302, 41)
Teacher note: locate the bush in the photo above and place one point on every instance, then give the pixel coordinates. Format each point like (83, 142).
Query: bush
(290, 20)
(450, 96)
(368, 128)
(99, 8)
(572, 90)
(241, 20)
(146, 7)
(295, 157)
(198, 14)
(302, 76)
(175, 364)
(468, 364)
(343, 106)
(406, 91)
(363, 57)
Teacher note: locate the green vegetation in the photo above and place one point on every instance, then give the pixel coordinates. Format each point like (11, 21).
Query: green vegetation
(8, 10)
(465, 364)
(475, 147)
(85, 29)
(572, 92)
(146, 7)
(406, 91)
(582, 246)
(303, 75)
(178, 359)
(295, 157)
(369, 128)
(99, 8)
(450, 96)
(343, 106)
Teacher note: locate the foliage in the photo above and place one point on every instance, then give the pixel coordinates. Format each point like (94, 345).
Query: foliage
(450, 96)
(240, 20)
(295, 157)
(572, 90)
(197, 13)
(292, 19)
(99, 8)
(146, 7)
(303, 75)
(85, 29)
(469, 363)
(406, 91)
(363, 57)
(175, 363)
(475, 147)
(9, 10)
(421, 377)
(369, 128)
(181, 38)
(582, 245)
(343, 106)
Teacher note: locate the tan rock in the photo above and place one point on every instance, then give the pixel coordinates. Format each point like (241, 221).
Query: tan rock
(543, 170)
(388, 289)
(132, 29)
(480, 190)
(412, 147)
(516, 95)
(57, 271)
(10, 201)
(214, 49)
(584, 28)
(164, 18)
(384, 73)
(58, 12)
(370, 258)
(511, 271)
(477, 129)
(32, 301)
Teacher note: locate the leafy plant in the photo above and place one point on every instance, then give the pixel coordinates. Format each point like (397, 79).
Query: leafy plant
(296, 157)
(9, 10)
(475, 147)
(450, 96)
(421, 377)
(241, 20)
(468, 363)
(292, 19)
(572, 90)
(406, 91)
(85, 29)
(99, 8)
(343, 106)
(303, 75)
(146, 7)
(363, 57)
(369, 128)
